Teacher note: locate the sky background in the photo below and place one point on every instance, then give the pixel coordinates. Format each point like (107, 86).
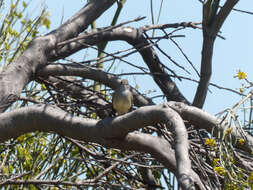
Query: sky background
(229, 56)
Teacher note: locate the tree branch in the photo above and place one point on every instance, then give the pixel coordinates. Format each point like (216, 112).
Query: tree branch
(38, 52)
(106, 132)
(210, 30)
(157, 147)
(81, 20)
(204, 120)
(223, 13)
(92, 73)
(136, 38)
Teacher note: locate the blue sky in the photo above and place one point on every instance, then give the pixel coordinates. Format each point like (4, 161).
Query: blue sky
(230, 55)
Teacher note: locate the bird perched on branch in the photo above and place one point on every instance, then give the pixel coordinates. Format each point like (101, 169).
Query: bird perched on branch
(122, 98)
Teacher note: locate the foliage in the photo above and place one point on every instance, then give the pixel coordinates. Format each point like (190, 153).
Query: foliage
(226, 160)
(18, 29)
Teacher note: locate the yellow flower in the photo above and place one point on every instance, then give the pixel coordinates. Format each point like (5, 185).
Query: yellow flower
(220, 170)
(241, 75)
(215, 161)
(12, 6)
(251, 178)
(228, 131)
(23, 21)
(93, 115)
(6, 21)
(210, 142)
(20, 15)
(28, 28)
(45, 21)
(7, 46)
(241, 141)
(24, 4)
(34, 33)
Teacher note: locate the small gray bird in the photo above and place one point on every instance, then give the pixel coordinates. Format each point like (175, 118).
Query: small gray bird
(122, 98)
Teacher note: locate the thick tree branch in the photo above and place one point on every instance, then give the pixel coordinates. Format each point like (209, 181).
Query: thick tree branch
(206, 69)
(148, 143)
(204, 120)
(210, 31)
(81, 20)
(37, 54)
(223, 13)
(50, 118)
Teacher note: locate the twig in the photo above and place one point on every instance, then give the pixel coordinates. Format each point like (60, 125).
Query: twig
(83, 36)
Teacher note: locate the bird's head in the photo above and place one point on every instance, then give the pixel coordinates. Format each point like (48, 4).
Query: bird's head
(124, 82)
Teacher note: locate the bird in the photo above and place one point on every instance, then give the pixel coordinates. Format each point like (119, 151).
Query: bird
(122, 98)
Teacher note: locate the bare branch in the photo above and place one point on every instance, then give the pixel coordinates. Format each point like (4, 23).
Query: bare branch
(210, 31)
(106, 132)
(223, 14)
(37, 54)
(136, 38)
(202, 119)
(87, 72)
